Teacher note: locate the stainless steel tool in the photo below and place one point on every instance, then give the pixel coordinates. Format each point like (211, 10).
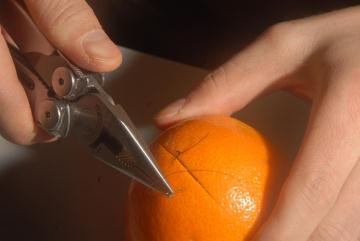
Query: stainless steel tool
(69, 101)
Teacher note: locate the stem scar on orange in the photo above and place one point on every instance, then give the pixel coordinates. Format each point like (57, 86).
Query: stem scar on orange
(225, 176)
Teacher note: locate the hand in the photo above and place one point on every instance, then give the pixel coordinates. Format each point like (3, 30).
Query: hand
(317, 58)
(72, 27)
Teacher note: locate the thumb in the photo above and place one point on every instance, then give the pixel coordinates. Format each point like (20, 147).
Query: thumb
(260, 67)
(73, 28)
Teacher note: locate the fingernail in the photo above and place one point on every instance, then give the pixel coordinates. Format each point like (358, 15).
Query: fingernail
(99, 46)
(172, 109)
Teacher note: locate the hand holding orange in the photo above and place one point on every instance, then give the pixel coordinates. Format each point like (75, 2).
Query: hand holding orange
(225, 177)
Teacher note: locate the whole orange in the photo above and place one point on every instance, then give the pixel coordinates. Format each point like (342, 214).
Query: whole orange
(225, 178)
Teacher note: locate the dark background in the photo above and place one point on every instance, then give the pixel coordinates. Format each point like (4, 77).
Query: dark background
(199, 32)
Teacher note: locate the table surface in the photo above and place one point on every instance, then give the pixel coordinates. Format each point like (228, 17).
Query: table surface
(59, 192)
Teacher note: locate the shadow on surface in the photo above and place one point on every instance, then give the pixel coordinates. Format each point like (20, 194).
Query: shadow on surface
(60, 192)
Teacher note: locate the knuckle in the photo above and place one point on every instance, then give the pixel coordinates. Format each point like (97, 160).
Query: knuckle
(279, 29)
(215, 81)
(66, 13)
(216, 88)
(331, 232)
(318, 189)
(346, 86)
(351, 79)
(280, 33)
(59, 15)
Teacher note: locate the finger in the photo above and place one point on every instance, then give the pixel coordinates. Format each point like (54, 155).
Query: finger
(342, 223)
(16, 121)
(258, 68)
(325, 160)
(73, 28)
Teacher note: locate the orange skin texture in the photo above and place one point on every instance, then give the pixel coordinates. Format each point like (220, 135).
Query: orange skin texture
(224, 176)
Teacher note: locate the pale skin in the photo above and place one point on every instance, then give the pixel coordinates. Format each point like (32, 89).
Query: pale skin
(317, 58)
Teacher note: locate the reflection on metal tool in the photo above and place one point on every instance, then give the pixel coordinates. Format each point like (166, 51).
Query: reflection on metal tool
(67, 100)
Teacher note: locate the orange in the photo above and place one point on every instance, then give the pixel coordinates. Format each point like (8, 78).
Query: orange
(224, 175)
